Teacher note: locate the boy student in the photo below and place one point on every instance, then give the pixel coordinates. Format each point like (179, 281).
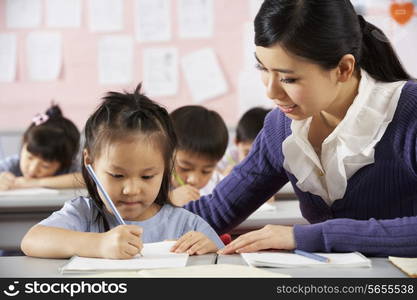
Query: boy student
(202, 141)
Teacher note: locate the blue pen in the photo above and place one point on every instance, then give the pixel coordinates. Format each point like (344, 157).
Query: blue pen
(106, 196)
(312, 255)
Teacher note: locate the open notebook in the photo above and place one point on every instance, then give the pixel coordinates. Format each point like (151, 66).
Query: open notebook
(292, 260)
(154, 255)
(405, 264)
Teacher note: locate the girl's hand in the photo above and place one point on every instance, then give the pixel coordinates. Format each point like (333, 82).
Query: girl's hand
(184, 194)
(23, 182)
(121, 242)
(194, 243)
(269, 237)
(7, 180)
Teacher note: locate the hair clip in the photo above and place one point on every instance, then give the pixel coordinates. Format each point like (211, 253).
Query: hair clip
(40, 119)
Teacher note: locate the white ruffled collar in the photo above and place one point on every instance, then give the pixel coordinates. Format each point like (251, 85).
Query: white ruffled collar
(349, 147)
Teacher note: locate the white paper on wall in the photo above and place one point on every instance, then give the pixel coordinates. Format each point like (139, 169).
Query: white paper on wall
(7, 57)
(23, 13)
(152, 20)
(203, 75)
(254, 6)
(160, 71)
(63, 13)
(195, 18)
(251, 91)
(115, 59)
(249, 46)
(44, 55)
(106, 15)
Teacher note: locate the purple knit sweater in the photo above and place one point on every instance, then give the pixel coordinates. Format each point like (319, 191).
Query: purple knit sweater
(378, 213)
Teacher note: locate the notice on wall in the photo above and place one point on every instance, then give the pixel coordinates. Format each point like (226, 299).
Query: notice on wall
(44, 55)
(160, 74)
(195, 18)
(203, 75)
(23, 13)
(7, 57)
(152, 20)
(115, 59)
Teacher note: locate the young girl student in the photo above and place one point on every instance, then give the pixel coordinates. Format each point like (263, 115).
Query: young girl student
(344, 133)
(48, 156)
(130, 142)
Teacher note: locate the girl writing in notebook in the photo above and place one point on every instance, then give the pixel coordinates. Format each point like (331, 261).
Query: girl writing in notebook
(48, 155)
(344, 133)
(130, 142)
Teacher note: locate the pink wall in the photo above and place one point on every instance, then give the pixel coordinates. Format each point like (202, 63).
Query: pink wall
(78, 91)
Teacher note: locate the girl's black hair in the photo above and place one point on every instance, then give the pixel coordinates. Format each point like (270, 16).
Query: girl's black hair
(53, 137)
(122, 116)
(200, 131)
(250, 124)
(323, 31)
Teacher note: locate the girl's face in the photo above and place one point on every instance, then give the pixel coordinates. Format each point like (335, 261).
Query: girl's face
(33, 166)
(299, 88)
(131, 172)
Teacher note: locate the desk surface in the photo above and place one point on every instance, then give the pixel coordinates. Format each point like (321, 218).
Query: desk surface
(381, 267)
(23, 266)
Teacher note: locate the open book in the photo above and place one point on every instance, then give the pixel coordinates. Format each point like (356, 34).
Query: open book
(405, 264)
(292, 260)
(154, 255)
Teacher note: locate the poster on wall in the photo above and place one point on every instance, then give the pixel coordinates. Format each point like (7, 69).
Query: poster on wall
(203, 75)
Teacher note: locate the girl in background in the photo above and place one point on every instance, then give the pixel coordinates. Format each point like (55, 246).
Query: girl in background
(48, 157)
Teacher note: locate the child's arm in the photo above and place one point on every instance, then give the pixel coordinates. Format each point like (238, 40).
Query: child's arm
(7, 180)
(194, 242)
(72, 180)
(184, 194)
(122, 242)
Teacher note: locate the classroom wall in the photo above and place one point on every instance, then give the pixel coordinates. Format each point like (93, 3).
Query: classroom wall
(77, 89)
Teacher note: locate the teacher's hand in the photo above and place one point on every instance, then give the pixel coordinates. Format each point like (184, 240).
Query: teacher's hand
(269, 237)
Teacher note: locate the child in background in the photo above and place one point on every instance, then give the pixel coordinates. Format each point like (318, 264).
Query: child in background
(202, 141)
(130, 143)
(48, 155)
(247, 129)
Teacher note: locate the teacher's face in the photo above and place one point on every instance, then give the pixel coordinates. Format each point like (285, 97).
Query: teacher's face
(298, 87)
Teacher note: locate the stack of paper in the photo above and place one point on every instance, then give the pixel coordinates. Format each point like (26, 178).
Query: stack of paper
(292, 260)
(405, 264)
(154, 255)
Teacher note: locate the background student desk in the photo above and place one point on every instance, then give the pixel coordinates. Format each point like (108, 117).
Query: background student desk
(286, 212)
(20, 212)
(23, 266)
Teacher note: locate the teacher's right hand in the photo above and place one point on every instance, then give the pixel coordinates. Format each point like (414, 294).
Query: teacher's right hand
(269, 237)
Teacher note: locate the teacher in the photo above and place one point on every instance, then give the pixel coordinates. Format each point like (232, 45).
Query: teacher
(344, 133)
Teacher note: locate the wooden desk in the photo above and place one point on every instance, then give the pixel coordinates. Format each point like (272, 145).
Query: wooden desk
(19, 213)
(286, 212)
(381, 267)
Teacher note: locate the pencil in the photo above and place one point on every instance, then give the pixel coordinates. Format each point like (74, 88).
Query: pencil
(178, 179)
(312, 255)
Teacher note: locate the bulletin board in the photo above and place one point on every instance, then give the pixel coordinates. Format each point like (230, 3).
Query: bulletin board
(185, 52)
